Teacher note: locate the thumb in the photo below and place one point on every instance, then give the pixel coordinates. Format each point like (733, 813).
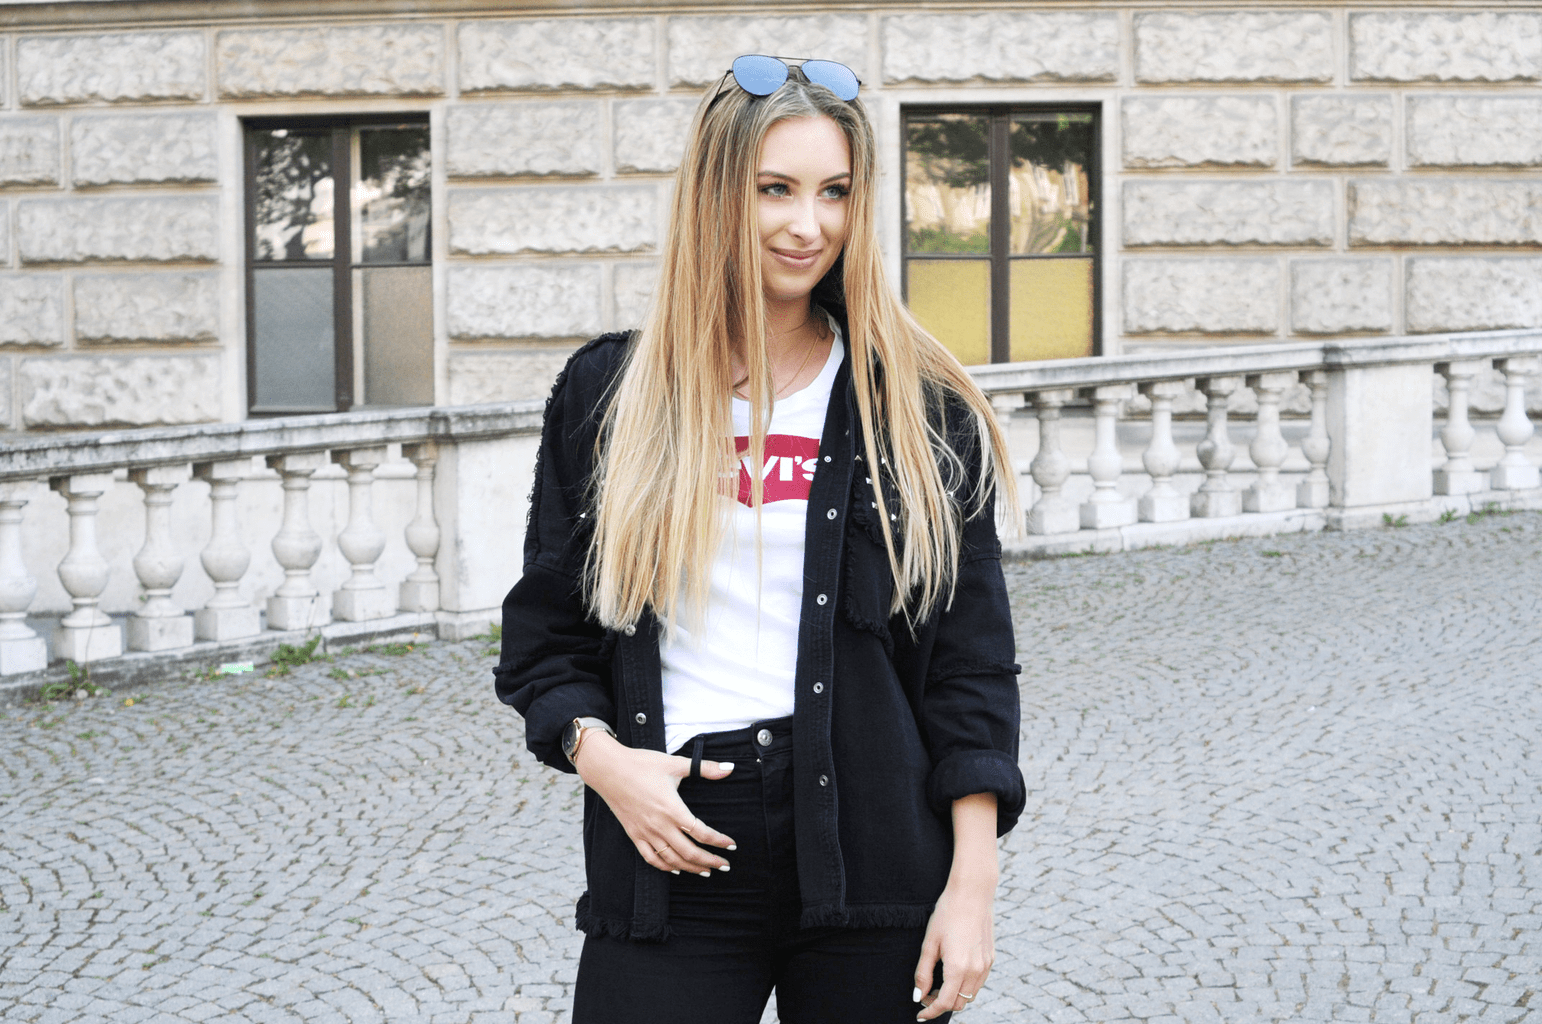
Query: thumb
(716, 769)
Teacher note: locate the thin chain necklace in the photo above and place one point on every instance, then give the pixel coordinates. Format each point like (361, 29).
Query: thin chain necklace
(807, 352)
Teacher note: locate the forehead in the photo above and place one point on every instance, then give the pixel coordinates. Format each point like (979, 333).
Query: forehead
(813, 143)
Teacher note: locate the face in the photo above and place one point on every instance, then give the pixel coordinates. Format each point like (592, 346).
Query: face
(804, 186)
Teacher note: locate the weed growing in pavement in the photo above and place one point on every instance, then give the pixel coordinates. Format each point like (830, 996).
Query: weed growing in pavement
(289, 657)
(395, 650)
(494, 638)
(79, 685)
(1273, 554)
(1448, 516)
(1387, 519)
(1490, 508)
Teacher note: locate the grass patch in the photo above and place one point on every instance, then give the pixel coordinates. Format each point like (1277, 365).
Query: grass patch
(289, 657)
(494, 638)
(1387, 519)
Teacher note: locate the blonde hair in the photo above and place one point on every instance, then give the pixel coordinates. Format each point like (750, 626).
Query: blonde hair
(665, 453)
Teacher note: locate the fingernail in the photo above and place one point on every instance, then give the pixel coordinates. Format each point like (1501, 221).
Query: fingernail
(915, 997)
(727, 766)
(676, 871)
(706, 874)
(732, 847)
(722, 867)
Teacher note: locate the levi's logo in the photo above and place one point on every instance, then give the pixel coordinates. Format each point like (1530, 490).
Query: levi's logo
(787, 471)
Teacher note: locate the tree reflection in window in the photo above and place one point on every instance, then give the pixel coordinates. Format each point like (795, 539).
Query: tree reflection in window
(947, 184)
(393, 194)
(293, 196)
(1048, 184)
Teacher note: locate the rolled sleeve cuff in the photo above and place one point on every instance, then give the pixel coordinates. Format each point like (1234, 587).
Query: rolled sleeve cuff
(966, 772)
(550, 715)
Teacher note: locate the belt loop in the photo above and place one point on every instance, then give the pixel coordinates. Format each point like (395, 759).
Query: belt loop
(696, 748)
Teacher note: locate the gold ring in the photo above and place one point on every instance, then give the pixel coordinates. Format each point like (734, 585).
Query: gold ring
(660, 849)
(686, 829)
(966, 998)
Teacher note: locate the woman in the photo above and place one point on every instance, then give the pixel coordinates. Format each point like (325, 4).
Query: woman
(799, 667)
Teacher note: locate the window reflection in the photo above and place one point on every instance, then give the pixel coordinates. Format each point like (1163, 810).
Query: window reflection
(1048, 192)
(947, 185)
(293, 196)
(392, 195)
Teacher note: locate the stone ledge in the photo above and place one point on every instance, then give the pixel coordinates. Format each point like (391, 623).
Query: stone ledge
(1154, 535)
(1001, 46)
(1234, 47)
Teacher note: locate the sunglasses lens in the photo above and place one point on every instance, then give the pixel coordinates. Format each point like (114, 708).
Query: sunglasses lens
(838, 78)
(759, 75)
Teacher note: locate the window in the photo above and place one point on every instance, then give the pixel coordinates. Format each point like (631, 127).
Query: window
(339, 309)
(1001, 230)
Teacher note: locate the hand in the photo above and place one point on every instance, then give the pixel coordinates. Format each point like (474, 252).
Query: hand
(960, 934)
(642, 789)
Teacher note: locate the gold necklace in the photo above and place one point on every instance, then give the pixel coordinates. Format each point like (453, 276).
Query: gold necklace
(807, 352)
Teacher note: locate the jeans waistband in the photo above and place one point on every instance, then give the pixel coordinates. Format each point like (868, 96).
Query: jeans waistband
(758, 739)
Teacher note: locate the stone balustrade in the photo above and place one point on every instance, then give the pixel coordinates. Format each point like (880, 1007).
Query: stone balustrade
(425, 508)
(1361, 451)
(466, 474)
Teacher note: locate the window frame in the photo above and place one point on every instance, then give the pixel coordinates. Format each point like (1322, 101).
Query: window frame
(340, 127)
(1000, 257)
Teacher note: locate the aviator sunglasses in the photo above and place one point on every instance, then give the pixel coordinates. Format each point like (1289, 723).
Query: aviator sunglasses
(760, 75)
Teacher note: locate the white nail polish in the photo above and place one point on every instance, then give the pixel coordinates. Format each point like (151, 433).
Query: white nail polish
(727, 766)
(706, 874)
(722, 867)
(676, 871)
(732, 847)
(915, 995)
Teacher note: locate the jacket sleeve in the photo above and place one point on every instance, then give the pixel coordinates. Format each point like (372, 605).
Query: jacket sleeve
(554, 664)
(970, 700)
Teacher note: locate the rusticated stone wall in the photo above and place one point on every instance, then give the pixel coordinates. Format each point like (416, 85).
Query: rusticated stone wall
(1266, 173)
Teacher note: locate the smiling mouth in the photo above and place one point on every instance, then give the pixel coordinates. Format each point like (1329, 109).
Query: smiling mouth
(796, 259)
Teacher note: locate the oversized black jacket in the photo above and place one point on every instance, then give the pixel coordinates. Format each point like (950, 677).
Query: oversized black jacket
(907, 721)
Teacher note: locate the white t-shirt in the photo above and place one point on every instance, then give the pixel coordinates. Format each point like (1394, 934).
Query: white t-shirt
(741, 668)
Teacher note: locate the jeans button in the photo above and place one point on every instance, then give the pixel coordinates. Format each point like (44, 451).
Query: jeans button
(763, 737)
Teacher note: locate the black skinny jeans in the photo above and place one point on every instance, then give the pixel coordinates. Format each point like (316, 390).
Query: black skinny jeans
(734, 937)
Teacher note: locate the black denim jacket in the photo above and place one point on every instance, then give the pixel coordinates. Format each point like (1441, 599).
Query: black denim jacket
(907, 720)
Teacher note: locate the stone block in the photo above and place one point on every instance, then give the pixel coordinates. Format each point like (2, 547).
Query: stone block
(170, 633)
(509, 375)
(5, 233)
(1474, 131)
(81, 644)
(1445, 211)
(632, 291)
(1473, 293)
(701, 48)
(226, 623)
(524, 302)
(352, 60)
(118, 67)
(119, 391)
(142, 228)
(29, 151)
(1001, 46)
(1272, 212)
(1275, 46)
(1198, 131)
(1340, 296)
(159, 307)
(651, 134)
(1334, 130)
(533, 138)
(1201, 296)
(539, 54)
(31, 309)
(549, 220)
(1486, 46)
(6, 390)
(127, 149)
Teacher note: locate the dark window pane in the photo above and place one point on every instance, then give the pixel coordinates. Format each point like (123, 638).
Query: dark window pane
(1050, 197)
(947, 184)
(392, 197)
(295, 353)
(293, 201)
(398, 335)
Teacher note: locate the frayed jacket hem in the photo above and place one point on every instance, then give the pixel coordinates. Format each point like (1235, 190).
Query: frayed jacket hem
(868, 915)
(592, 924)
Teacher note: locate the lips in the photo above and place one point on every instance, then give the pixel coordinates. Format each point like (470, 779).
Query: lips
(795, 260)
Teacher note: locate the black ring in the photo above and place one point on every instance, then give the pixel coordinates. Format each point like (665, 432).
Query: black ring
(701, 741)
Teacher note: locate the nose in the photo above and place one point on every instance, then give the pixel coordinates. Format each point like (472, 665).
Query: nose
(804, 225)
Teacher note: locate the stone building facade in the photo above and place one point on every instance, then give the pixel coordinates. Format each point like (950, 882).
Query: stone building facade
(1262, 172)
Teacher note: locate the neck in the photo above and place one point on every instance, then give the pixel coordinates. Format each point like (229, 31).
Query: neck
(784, 328)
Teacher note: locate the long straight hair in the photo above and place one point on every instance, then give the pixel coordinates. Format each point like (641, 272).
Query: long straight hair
(665, 457)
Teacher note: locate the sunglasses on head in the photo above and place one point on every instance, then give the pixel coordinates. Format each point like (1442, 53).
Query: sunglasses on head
(760, 75)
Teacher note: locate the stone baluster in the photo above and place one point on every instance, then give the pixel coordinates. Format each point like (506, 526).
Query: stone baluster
(1458, 476)
(227, 616)
(1515, 472)
(21, 650)
(363, 596)
(1106, 508)
(86, 633)
(420, 590)
(158, 625)
(1053, 512)
(1313, 492)
(296, 604)
(1216, 497)
(1268, 449)
(1163, 503)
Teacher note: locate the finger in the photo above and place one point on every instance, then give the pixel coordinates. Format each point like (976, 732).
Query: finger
(651, 856)
(923, 975)
(691, 857)
(706, 835)
(716, 769)
(946, 998)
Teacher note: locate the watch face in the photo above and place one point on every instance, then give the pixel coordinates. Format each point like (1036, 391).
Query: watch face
(570, 739)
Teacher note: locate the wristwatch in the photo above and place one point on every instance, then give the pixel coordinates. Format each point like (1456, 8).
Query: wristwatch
(573, 735)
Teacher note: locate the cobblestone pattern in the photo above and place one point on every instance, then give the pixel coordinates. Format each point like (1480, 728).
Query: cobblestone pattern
(1321, 805)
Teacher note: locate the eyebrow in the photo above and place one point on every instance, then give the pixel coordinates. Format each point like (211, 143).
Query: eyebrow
(788, 177)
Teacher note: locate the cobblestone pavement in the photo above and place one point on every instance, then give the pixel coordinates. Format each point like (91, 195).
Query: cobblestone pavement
(1293, 779)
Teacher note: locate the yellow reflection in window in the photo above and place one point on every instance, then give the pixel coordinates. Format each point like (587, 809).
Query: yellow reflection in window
(1051, 308)
(952, 298)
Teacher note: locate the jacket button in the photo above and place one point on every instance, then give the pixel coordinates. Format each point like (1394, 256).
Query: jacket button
(827, 458)
(821, 599)
(831, 514)
(641, 719)
(819, 687)
(630, 631)
(824, 780)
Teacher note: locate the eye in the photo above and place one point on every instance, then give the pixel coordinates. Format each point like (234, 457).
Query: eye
(834, 192)
(775, 188)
